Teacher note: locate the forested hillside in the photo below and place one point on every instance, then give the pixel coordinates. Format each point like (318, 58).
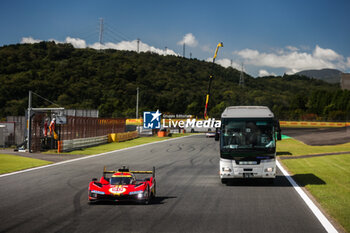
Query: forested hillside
(107, 80)
(327, 75)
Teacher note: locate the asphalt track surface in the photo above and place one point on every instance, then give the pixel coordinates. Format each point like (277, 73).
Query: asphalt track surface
(190, 196)
(319, 136)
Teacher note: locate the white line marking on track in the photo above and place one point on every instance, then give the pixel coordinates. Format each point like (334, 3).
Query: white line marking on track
(87, 157)
(315, 210)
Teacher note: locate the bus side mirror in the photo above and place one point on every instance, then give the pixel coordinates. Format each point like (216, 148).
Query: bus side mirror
(217, 134)
(277, 125)
(279, 136)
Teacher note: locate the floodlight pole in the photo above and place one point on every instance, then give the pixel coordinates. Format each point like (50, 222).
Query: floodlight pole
(29, 125)
(137, 103)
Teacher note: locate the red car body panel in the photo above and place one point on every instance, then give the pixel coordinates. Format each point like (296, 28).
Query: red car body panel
(136, 190)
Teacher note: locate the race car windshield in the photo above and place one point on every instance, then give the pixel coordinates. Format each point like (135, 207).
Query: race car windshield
(120, 180)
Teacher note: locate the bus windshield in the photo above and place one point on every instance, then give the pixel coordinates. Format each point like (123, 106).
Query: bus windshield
(247, 134)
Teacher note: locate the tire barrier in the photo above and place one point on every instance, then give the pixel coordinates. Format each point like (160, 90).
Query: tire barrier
(121, 137)
(134, 121)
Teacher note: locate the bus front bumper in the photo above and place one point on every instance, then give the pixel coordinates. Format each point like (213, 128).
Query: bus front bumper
(230, 170)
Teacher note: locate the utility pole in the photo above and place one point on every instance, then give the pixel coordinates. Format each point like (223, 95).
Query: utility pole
(183, 50)
(137, 103)
(29, 125)
(241, 78)
(101, 33)
(166, 50)
(191, 55)
(138, 45)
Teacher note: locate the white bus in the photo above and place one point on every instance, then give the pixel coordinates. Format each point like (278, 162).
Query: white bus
(248, 143)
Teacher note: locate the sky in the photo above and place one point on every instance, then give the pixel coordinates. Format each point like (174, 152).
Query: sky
(267, 37)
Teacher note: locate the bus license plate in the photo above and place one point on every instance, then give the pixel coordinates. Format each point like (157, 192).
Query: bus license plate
(248, 162)
(247, 175)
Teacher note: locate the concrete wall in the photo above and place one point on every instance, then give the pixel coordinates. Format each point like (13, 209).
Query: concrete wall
(345, 81)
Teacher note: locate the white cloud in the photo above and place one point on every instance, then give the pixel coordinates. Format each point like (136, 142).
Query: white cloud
(76, 42)
(124, 45)
(132, 46)
(326, 54)
(189, 39)
(225, 62)
(29, 40)
(294, 60)
(263, 73)
(292, 48)
(248, 53)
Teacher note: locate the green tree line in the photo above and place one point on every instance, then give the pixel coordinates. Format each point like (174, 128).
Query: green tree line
(107, 80)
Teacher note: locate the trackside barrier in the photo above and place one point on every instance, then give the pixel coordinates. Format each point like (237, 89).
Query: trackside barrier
(120, 137)
(69, 145)
(134, 121)
(312, 123)
(282, 123)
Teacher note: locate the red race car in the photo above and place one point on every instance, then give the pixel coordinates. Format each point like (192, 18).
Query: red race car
(122, 185)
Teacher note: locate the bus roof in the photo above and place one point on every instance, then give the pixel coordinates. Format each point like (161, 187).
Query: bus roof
(247, 112)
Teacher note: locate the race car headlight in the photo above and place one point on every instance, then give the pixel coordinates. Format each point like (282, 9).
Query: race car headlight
(140, 195)
(97, 192)
(136, 192)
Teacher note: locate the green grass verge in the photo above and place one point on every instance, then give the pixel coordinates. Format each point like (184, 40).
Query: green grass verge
(294, 147)
(11, 163)
(334, 194)
(118, 145)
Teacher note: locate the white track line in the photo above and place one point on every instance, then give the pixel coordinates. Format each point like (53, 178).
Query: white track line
(315, 210)
(87, 157)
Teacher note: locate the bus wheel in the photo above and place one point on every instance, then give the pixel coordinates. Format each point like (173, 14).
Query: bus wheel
(224, 181)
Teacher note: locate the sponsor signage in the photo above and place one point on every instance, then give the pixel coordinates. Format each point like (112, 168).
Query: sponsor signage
(152, 120)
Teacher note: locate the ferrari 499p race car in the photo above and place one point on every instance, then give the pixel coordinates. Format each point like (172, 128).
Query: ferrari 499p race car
(122, 185)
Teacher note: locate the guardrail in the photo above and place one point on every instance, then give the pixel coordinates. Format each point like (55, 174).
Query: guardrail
(314, 124)
(120, 137)
(78, 143)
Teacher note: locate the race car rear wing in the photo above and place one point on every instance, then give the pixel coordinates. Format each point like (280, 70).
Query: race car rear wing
(125, 169)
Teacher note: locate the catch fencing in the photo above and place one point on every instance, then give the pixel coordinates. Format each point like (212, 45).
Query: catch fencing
(78, 132)
(82, 132)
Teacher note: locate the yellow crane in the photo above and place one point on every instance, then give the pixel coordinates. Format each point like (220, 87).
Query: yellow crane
(210, 80)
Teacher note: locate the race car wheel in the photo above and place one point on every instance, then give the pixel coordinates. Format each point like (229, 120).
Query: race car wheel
(154, 189)
(148, 199)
